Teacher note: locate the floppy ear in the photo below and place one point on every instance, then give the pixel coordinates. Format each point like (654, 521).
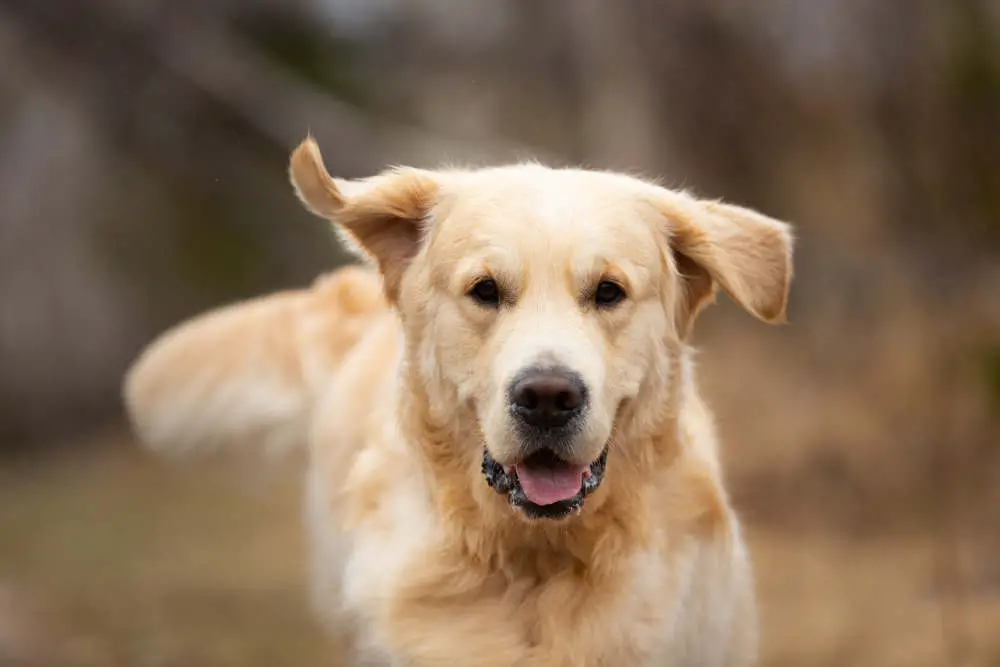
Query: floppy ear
(380, 218)
(746, 254)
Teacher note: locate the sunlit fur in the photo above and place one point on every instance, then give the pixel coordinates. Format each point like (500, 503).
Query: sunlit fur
(396, 379)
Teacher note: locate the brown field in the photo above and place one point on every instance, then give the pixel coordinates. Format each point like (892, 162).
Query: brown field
(112, 558)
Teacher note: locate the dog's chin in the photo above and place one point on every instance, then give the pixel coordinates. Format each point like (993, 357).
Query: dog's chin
(551, 488)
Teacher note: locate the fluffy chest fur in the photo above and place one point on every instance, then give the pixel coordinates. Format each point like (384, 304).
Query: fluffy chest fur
(418, 597)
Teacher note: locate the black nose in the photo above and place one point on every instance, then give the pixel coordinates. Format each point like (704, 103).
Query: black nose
(548, 399)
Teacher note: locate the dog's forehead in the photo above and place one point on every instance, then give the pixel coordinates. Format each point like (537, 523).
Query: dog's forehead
(530, 208)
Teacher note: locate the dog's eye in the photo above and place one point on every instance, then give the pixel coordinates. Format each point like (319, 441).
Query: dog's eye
(608, 294)
(486, 293)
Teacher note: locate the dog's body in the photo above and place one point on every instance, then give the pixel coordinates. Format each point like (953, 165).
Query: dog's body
(408, 386)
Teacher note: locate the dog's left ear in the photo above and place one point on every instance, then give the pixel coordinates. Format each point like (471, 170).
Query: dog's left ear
(382, 218)
(746, 254)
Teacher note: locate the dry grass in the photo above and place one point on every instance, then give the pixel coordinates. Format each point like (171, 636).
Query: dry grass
(109, 558)
(121, 560)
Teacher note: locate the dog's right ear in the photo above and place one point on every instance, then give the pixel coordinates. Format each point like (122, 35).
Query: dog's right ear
(382, 218)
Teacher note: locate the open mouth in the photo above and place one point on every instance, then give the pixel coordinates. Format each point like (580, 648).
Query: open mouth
(544, 486)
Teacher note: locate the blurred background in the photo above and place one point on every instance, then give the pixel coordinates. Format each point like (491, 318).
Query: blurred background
(143, 147)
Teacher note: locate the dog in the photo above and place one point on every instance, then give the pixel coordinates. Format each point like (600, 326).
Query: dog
(509, 460)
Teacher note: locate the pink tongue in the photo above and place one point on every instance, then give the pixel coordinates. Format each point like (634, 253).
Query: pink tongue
(545, 486)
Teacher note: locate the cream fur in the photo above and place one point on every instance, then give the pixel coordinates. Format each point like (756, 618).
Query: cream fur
(396, 383)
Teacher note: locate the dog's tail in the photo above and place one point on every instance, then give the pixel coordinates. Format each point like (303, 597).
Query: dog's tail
(249, 374)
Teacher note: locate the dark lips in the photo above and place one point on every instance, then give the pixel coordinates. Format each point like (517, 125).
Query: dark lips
(507, 483)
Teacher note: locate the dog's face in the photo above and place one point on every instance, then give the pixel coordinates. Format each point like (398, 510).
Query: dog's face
(544, 300)
(549, 293)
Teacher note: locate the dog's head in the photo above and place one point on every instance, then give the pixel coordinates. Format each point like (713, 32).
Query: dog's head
(542, 301)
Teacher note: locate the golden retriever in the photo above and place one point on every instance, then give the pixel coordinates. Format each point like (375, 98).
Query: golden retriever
(510, 463)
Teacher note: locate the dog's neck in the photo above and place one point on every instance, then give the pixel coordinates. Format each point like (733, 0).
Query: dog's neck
(622, 514)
